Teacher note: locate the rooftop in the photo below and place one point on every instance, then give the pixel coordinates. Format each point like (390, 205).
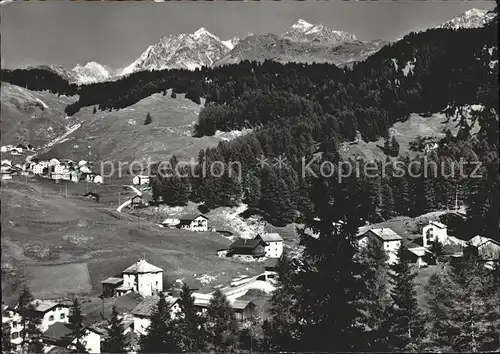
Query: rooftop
(112, 280)
(478, 240)
(241, 304)
(44, 305)
(142, 266)
(438, 224)
(386, 234)
(191, 217)
(272, 237)
(245, 243)
(147, 306)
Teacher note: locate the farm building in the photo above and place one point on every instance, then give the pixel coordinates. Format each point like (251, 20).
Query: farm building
(274, 244)
(142, 312)
(59, 335)
(140, 180)
(254, 248)
(389, 240)
(487, 249)
(110, 285)
(420, 256)
(193, 222)
(243, 309)
(171, 222)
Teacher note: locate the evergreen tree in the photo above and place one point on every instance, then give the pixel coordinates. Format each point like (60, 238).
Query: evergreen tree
(437, 250)
(160, 334)
(77, 327)
(280, 332)
(31, 335)
(221, 323)
(115, 342)
(189, 326)
(394, 147)
(94, 110)
(464, 315)
(377, 299)
(403, 323)
(148, 119)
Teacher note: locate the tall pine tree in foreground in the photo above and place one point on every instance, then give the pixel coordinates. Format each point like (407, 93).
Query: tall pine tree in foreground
(6, 343)
(403, 325)
(189, 326)
(221, 323)
(77, 327)
(328, 283)
(115, 342)
(160, 336)
(464, 315)
(31, 335)
(377, 298)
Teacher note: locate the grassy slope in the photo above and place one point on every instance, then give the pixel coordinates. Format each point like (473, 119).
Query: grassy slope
(405, 132)
(38, 214)
(18, 105)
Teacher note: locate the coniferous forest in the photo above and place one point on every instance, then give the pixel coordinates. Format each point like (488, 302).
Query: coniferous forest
(300, 111)
(337, 296)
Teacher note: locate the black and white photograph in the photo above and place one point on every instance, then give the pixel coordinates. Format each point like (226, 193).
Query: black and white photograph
(249, 176)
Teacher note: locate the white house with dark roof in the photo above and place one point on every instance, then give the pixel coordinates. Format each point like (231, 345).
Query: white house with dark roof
(143, 278)
(59, 336)
(13, 319)
(390, 241)
(195, 222)
(50, 312)
(274, 244)
(143, 311)
(434, 231)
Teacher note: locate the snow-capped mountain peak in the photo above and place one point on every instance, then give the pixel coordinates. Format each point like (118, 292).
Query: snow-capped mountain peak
(302, 25)
(473, 18)
(303, 31)
(203, 32)
(90, 72)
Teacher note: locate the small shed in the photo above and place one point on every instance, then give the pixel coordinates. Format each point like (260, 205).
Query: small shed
(243, 309)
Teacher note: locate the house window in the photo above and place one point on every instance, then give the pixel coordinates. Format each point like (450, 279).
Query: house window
(51, 318)
(62, 316)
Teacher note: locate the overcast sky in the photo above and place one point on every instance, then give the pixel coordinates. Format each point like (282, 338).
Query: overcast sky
(116, 33)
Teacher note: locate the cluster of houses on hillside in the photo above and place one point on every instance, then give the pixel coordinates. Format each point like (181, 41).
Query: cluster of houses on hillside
(266, 245)
(63, 169)
(19, 149)
(54, 325)
(488, 250)
(245, 294)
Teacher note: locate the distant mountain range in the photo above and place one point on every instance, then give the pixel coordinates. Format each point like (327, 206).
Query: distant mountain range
(302, 42)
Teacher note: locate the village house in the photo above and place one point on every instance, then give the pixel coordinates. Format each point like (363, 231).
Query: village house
(142, 277)
(54, 162)
(243, 309)
(140, 180)
(487, 249)
(16, 151)
(434, 231)
(245, 247)
(50, 312)
(193, 222)
(12, 318)
(6, 166)
(59, 335)
(389, 240)
(142, 312)
(6, 148)
(274, 244)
